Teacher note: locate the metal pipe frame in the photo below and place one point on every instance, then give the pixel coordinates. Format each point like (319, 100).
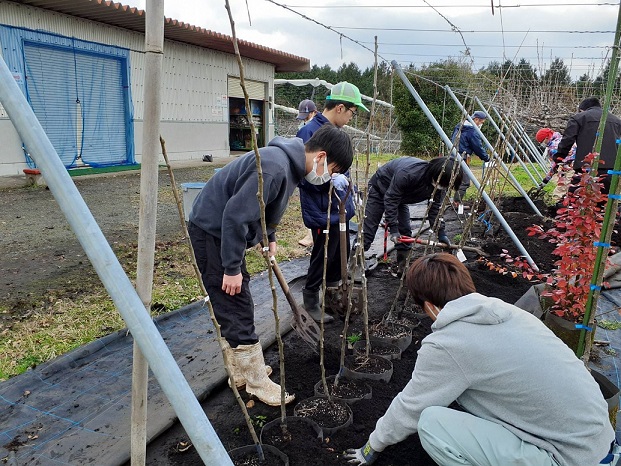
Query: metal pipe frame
(463, 164)
(518, 147)
(509, 145)
(495, 155)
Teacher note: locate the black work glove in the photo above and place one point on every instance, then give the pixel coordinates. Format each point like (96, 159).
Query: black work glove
(395, 237)
(442, 238)
(364, 455)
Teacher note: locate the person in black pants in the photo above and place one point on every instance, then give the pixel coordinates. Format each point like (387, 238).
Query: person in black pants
(340, 107)
(398, 183)
(225, 220)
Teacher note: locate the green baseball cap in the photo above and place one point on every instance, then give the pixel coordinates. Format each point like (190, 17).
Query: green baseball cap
(346, 92)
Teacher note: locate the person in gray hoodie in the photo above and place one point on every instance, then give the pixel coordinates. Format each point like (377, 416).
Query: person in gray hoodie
(225, 220)
(526, 398)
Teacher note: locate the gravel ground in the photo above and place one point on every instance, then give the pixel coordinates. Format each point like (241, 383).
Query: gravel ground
(38, 250)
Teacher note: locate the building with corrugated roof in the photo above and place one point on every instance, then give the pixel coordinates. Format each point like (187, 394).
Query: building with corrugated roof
(81, 65)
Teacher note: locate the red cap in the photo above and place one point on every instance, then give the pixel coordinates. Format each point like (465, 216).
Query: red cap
(543, 133)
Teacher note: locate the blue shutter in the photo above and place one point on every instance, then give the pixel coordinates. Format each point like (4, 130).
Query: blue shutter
(50, 84)
(79, 99)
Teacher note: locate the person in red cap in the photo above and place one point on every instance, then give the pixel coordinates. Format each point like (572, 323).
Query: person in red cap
(550, 140)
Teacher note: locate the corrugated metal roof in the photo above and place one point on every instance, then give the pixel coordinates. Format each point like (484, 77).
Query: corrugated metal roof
(123, 16)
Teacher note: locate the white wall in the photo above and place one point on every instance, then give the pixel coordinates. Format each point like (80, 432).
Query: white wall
(194, 104)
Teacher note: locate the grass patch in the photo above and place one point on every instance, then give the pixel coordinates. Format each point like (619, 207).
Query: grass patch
(609, 324)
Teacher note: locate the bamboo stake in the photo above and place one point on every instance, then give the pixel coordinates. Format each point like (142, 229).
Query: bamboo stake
(266, 251)
(154, 45)
(322, 365)
(584, 344)
(206, 300)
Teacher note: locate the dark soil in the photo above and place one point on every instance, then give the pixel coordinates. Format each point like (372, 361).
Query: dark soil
(326, 413)
(371, 364)
(303, 370)
(252, 459)
(389, 330)
(297, 430)
(408, 319)
(386, 350)
(345, 390)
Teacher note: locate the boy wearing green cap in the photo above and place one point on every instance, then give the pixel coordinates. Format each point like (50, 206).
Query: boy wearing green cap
(341, 105)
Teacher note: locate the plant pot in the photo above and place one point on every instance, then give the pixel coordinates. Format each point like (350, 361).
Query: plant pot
(409, 319)
(248, 456)
(395, 334)
(566, 330)
(298, 428)
(531, 300)
(370, 368)
(331, 416)
(611, 395)
(378, 348)
(347, 390)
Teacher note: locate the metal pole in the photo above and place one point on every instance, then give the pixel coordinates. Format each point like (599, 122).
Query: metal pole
(518, 147)
(107, 266)
(154, 48)
(463, 164)
(537, 155)
(584, 345)
(502, 136)
(494, 153)
(535, 158)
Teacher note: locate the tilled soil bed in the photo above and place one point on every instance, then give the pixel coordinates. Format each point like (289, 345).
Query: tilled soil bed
(40, 252)
(303, 372)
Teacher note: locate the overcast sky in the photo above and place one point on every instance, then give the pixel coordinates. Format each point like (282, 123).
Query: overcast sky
(580, 32)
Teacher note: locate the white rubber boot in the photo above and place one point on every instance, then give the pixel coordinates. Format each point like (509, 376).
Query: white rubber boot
(252, 367)
(240, 381)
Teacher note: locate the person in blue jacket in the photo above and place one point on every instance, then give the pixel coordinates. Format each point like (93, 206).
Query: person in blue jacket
(341, 105)
(469, 143)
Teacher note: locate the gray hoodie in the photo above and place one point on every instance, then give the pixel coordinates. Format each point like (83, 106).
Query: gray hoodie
(228, 208)
(502, 364)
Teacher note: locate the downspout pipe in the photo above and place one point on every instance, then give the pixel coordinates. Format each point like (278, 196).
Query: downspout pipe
(107, 266)
(463, 164)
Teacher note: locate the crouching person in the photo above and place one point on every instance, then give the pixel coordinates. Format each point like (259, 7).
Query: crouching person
(226, 220)
(404, 181)
(526, 398)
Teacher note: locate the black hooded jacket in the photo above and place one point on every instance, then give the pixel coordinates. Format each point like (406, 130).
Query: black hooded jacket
(582, 129)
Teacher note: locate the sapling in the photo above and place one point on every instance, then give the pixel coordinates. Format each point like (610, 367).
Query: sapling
(577, 225)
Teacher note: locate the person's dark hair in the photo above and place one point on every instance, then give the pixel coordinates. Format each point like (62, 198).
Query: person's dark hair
(442, 168)
(438, 278)
(337, 145)
(588, 103)
(330, 104)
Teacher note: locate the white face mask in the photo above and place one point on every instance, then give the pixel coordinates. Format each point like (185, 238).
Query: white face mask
(314, 178)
